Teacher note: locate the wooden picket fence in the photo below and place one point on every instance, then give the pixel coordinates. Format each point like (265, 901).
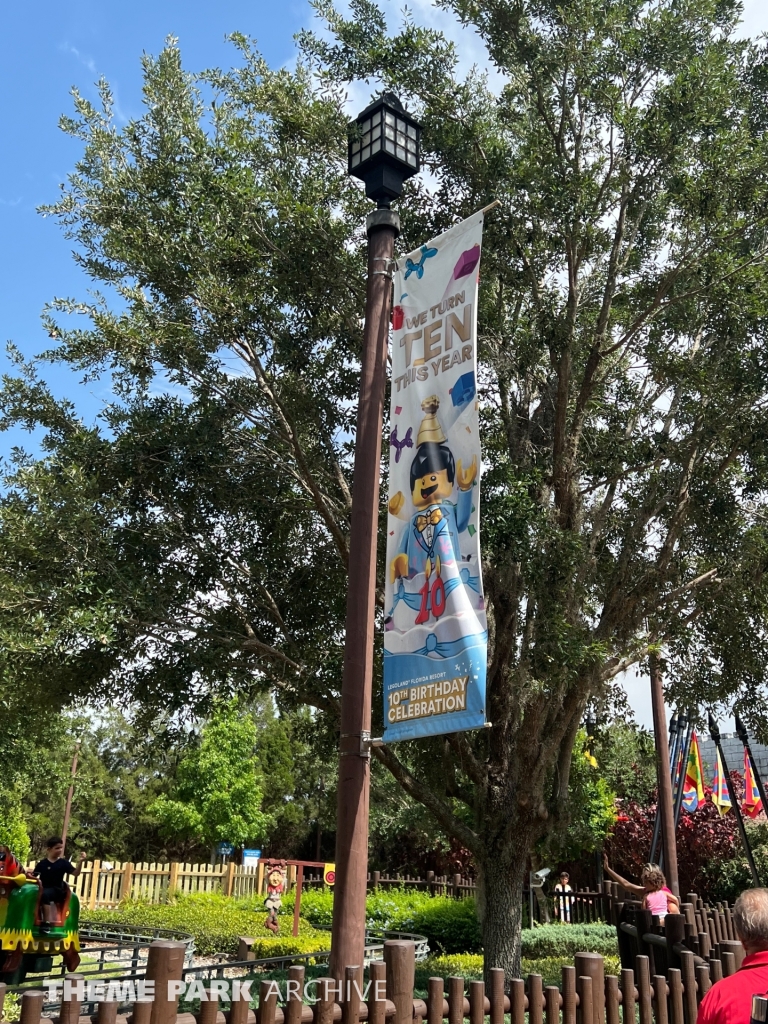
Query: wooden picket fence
(106, 883)
(637, 995)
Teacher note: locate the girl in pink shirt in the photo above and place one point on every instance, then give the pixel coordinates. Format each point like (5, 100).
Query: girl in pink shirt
(658, 898)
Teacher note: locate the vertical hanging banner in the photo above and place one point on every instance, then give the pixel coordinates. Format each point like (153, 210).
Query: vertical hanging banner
(435, 631)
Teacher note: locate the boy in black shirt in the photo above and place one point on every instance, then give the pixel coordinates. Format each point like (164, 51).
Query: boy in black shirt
(51, 872)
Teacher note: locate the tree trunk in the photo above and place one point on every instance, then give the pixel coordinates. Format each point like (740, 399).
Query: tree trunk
(500, 909)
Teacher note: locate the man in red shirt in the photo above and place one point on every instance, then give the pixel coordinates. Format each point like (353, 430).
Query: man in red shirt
(730, 1001)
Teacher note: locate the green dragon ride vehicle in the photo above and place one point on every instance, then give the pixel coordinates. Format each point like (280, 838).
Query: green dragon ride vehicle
(27, 943)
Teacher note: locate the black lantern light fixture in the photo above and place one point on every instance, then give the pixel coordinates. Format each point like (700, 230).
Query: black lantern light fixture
(384, 148)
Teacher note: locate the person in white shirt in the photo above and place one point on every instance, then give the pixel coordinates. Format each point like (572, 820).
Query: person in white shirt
(563, 902)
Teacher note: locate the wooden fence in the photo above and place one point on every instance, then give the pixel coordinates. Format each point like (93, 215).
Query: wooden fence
(106, 883)
(637, 994)
(705, 933)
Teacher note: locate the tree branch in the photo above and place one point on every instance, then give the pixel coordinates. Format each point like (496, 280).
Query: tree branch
(425, 796)
(290, 430)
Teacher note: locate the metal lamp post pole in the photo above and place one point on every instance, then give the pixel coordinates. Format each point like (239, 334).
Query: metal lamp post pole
(348, 932)
(664, 777)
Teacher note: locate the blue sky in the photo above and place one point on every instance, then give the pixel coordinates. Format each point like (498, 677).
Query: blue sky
(48, 48)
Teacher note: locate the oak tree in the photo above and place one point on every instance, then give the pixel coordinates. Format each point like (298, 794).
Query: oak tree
(194, 542)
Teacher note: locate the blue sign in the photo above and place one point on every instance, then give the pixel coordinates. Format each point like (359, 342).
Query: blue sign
(251, 858)
(225, 849)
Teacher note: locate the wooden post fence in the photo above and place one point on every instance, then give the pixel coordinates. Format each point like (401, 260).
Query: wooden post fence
(586, 995)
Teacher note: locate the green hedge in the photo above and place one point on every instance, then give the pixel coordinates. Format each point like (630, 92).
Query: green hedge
(288, 945)
(216, 922)
(457, 965)
(450, 925)
(470, 965)
(563, 940)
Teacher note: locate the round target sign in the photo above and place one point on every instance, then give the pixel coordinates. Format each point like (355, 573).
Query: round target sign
(329, 875)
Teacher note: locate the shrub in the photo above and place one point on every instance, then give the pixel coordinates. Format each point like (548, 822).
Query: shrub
(316, 905)
(11, 1011)
(450, 925)
(216, 922)
(470, 965)
(563, 940)
(279, 946)
(550, 967)
(457, 965)
(725, 879)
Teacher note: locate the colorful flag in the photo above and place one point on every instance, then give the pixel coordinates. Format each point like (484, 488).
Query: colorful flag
(693, 788)
(753, 805)
(435, 630)
(720, 796)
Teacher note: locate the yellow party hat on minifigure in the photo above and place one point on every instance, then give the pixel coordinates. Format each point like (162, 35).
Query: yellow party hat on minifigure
(430, 429)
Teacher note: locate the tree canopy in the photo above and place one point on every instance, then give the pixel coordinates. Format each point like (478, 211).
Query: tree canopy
(219, 788)
(165, 789)
(194, 542)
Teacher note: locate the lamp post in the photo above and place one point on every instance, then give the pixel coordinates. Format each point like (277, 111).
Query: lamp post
(383, 153)
(657, 823)
(664, 776)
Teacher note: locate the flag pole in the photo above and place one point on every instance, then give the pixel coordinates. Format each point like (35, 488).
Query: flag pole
(683, 769)
(677, 766)
(714, 732)
(682, 726)
(744, 737)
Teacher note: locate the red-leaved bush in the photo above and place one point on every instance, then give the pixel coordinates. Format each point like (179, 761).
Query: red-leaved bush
(702, 837)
